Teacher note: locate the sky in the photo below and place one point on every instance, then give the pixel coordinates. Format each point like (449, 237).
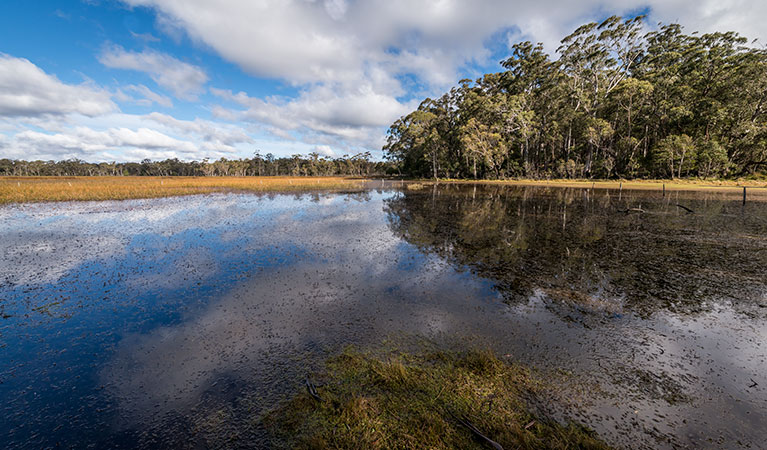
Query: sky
(126, 80)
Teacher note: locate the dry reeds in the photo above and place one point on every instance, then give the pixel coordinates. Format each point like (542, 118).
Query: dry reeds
(48, 189)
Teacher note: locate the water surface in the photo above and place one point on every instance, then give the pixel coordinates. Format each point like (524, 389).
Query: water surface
(177, 321)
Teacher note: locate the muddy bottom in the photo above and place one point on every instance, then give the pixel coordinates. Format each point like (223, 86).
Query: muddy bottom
(179, 321)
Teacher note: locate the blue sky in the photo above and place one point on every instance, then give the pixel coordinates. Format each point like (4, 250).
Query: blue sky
(104, 80)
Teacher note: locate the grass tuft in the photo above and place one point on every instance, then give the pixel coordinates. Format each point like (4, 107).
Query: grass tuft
(401, 400)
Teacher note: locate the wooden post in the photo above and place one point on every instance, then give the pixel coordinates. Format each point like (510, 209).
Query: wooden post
(664, 189)
(744, 195)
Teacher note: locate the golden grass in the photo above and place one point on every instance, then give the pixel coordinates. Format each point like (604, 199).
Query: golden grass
(51, 189)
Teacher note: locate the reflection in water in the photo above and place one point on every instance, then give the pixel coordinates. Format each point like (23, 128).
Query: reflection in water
(595, 249)
(177, 321)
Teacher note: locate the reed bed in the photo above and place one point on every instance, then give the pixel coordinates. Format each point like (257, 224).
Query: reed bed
(53, 189)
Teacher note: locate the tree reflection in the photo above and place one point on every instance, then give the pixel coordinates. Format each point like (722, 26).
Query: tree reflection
(605, 251)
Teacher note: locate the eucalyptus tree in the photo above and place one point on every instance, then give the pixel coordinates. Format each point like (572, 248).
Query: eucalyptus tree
(614, 101)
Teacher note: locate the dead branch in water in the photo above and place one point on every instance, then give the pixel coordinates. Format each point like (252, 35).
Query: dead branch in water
(626, 211)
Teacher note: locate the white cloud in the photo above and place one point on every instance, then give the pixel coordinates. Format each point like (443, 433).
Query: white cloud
(324, 150)
(125, 137)
(346, 118)
(183, 79)
(150, 96)
(146, 96)
(27, 91)
(145, 37)
(82, 141)
(211, 132)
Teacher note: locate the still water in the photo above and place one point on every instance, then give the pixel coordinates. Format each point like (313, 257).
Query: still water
(178, 321)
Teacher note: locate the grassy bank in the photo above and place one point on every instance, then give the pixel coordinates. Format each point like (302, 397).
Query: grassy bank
(757, 186)
(435, 400)
(45, 189)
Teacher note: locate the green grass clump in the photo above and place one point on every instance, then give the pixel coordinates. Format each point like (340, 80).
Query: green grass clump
(408, 401)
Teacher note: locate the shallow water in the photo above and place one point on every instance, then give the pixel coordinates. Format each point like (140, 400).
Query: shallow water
(177, 321)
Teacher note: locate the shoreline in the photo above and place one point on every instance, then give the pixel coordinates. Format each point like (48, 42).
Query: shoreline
(16, 190)
(671, 185)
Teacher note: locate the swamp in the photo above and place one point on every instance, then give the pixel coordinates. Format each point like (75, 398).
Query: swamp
(473, 314)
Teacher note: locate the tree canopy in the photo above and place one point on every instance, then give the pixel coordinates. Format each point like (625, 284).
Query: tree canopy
(616, 102)
(360, 164)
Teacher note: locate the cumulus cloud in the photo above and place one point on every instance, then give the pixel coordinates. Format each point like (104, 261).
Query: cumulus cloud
(183, 79)
(324, 150)
(44, 118)
(308, 41)
(211, 132)
(83, 141)
(126, 137)
(345, 118)
(27, 91)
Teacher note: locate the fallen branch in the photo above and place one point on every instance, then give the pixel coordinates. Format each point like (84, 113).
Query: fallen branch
(639, 210)
(312, 389)
(476, 432)
(686, 208)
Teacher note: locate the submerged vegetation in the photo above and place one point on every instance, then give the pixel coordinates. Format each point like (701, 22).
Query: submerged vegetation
(43, 189)
(436, 400)
(614, 102)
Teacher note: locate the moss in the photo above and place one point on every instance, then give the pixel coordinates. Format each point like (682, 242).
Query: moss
(401, 400)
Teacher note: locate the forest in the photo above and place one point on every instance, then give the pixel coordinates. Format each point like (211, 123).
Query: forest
(267, 165)
(615, 102)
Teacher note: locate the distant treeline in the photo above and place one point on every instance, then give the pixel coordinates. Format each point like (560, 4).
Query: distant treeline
(616, 102)
(268, 165)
